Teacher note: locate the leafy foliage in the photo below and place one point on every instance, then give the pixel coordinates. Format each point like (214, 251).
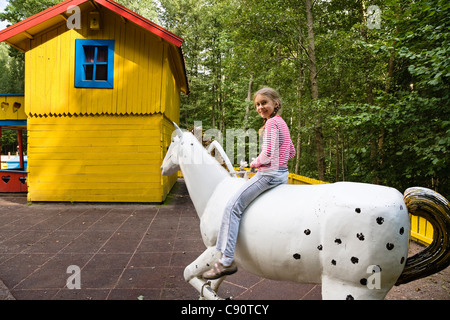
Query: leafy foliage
(383, 102)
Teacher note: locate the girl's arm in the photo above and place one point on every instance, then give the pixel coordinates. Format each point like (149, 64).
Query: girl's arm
(291, 151)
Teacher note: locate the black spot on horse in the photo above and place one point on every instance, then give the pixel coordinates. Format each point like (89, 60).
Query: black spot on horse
(380, 220)
(402, 230)
(360, 236)
(333, 262)
(402, 260)
(307, 232)
(338, 241)
(358, 210)
(320, 247)
(363, 281)
(297, 256)
(389, 246)
(349, 297)
(354, 260)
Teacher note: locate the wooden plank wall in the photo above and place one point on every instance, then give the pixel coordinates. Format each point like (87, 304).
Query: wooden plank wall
(96, 158)
(421, 230)
(7, 110)
(167, 130)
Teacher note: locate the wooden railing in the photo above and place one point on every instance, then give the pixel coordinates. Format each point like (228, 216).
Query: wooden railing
(421, 230)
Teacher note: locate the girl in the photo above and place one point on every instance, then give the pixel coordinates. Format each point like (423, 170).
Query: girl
(277, 149)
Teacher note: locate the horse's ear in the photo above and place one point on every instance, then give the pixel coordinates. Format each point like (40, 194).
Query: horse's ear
(178, 130)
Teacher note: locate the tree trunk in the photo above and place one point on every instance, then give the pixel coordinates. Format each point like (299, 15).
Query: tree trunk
(312, 51)
(248, 101)
(298, 148)
(320, 149)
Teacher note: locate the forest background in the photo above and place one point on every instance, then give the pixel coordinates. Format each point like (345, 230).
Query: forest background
(364, 83)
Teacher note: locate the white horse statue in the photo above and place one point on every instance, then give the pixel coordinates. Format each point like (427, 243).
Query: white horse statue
(350, 237)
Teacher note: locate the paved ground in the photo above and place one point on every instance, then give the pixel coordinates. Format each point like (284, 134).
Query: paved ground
(124, 251)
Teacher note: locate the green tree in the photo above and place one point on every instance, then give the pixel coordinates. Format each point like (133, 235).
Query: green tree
(380, 96)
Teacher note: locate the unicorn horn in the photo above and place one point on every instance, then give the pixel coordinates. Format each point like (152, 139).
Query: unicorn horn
(178, 130)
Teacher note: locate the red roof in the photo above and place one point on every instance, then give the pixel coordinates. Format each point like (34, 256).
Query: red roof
(62, 7)
(17, 34)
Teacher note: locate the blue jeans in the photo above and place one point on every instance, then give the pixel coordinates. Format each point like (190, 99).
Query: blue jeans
(260, 182)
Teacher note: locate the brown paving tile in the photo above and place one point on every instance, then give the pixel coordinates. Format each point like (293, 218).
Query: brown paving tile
(34, 294)
(21, 241)
(20, 266)
(135, 224)
(188, 233)
(243, 279)
(166, 223)
(183, 245)
(64, 260)
(81, 294)
(5, 257)
(120, 245)
(275, 290)
(150, 259)
(227, 290)
(82, 222)
(24, 222)
(88, 242)
(12, 200)
(135, 294)
(156, 245)
(154, 233)
(134, 278)
(45, 279)
(105, 278)
(55, 222)
(124, 251)
(111, 221)
(53, 242)
(107, 261)
(314, 294)
(183, 259)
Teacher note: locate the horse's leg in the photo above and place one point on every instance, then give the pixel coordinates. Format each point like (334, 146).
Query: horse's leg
(193, 274)
(202, 264)
(336, 289)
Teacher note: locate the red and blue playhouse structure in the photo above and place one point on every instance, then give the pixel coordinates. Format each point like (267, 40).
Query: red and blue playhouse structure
(12, 117)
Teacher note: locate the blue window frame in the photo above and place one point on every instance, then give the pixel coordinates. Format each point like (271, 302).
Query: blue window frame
(94, 63)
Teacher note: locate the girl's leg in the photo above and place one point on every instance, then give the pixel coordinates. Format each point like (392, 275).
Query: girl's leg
(226, 241)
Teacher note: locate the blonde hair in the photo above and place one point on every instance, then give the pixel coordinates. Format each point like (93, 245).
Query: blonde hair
(272, 95)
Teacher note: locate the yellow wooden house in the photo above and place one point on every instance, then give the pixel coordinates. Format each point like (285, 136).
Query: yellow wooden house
(102, 87)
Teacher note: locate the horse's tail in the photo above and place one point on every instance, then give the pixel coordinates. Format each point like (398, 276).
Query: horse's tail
(434, 208)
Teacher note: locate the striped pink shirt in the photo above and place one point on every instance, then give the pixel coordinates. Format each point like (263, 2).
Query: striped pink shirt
(277, 147)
